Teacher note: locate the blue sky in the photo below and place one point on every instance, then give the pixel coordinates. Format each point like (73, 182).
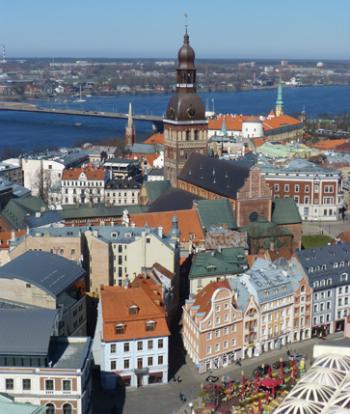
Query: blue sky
(317, 29)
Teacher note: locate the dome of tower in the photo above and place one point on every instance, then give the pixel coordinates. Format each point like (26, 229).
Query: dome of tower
(185, 107)
(186, 55)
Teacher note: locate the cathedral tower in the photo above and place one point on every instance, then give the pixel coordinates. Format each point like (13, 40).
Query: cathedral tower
(185, 125)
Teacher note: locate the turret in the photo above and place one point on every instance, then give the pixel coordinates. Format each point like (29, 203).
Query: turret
(279, 101)
(130, 129)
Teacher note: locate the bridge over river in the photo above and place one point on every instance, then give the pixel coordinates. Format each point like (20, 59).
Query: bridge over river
(24, 107)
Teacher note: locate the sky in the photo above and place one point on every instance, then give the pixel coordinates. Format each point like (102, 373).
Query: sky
(284, 29)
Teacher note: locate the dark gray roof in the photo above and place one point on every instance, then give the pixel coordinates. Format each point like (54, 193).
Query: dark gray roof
(46, 270)
(26, 331)
(328, 262)
(45, 218)
(218, 176)
(174, 199)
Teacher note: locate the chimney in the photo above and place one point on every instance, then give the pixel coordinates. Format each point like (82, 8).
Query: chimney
(160, 232)
(37, 214)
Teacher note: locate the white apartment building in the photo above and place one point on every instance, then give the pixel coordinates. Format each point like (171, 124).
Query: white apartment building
(122, 192)
(83, 186)
(131, 336)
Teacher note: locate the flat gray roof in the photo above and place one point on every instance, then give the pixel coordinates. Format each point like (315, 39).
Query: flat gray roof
(48, 271)
(26, 331)
(70, 353)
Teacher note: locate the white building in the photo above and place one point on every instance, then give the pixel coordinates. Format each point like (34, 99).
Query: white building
(45, 370)
(122, 192)
(131, 336)
(83, 186)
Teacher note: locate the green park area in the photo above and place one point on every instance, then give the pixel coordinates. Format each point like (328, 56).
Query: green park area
(315, 240)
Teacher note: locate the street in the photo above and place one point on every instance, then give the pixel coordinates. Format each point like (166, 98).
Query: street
(164, 399)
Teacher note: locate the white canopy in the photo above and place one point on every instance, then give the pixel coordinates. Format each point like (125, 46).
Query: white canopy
(297, 406)
(334, 361)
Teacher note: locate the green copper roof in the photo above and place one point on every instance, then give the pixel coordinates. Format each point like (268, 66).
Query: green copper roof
(216, 213)
(18, 209)
(155, 189)
(215, 263)
(285, 211)
(8, 406)
(259, 229)
(99, 211)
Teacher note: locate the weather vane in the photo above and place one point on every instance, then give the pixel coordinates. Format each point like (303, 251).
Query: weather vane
(186, 21)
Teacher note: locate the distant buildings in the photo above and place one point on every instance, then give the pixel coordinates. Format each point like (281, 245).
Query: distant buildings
(131, 338)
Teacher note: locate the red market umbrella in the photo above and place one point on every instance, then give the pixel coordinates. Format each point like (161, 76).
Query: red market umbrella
(270, 382)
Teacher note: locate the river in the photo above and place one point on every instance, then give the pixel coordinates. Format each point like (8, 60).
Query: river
(30, 132)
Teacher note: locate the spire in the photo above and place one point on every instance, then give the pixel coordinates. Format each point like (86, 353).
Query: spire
(279, 101)
(130, 129)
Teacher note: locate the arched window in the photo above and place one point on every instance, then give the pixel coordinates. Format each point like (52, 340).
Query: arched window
(50, 409)
(67, 409)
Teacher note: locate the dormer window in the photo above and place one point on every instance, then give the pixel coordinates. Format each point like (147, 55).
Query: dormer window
(324, 267)
(335, 265)
(341, 264)
(119, 328)
(133, 310)
(150, 325)
(311, 269)
(343, 277)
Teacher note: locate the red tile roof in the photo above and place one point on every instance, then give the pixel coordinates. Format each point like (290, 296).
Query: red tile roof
(280, 121)
(327, 144)
(203, 298)
(188, 221)
(233, 122)
(157, 138)
(91, 173)
(116, 302)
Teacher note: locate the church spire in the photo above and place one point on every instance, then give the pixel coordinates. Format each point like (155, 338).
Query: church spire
(130, 129)
(279, 101)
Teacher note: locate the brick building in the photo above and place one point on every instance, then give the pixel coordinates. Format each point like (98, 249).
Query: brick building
(245, 187)
(316, 190)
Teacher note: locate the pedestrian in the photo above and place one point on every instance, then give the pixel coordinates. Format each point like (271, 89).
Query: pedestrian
(181, 396)
(179, 379)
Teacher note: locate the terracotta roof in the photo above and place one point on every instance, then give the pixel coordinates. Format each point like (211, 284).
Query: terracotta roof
(327, 144)
(188, 221)
(233, 122)
(150, 158)
(151, 288)
(344, 236)
(91, 173)
(5, 237)
(280, 121)
(343, 147)
(203, 298)
(164, 271)
(258, 142)
(157, 138)
(116, 302)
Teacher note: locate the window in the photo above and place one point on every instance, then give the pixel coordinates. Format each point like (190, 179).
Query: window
(26, 384)
(297, 188)
(217, 347)
(150, 344)
(307, 189)
(209, 349)
(113, 348)
(344, 276)
(119, 328)
(67, 409)
(139, 363)
(67, 385)
(139, 346)
(296, 198)
(126, 363)
(150, 325)
(50, 409)
(286, 188)
(276, 187)
(160, 343)
(217, 308)
(133, 309)
(306, 199)
(217, 333)
(113, 365)
(150, 361)
(225, 344)
(160, 360)
(126, 347)
(49, 385)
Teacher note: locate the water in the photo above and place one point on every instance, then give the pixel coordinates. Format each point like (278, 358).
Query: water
(28, 132)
